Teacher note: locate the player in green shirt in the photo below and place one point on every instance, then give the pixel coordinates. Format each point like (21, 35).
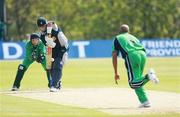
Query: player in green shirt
(35, 51)
(134, 55)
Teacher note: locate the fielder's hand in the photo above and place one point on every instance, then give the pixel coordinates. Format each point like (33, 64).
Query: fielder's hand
(116, 77)
(41, 58)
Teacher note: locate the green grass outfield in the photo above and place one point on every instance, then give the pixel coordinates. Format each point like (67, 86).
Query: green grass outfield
(79, 73)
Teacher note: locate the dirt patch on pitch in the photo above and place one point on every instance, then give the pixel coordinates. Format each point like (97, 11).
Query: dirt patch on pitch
(117, 101)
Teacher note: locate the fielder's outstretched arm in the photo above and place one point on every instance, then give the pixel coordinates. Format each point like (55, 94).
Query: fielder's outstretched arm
(115, 62)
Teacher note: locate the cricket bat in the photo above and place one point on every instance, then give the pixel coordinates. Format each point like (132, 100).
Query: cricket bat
(49, 49)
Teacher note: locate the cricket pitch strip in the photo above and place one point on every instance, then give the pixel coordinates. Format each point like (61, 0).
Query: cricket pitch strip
(116, 101)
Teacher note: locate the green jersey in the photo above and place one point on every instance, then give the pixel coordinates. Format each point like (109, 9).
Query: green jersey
(33, 52)
(126, 43)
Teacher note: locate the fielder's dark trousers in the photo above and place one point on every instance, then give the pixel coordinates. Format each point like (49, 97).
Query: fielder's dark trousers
(19, 75)
(56, 72)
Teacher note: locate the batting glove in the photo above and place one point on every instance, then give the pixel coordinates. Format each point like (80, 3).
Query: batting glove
(50, 42)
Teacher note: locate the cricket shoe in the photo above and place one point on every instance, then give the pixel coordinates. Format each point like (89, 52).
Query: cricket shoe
(146, 104)
(14, 88)
(152, 76)
(52, 89)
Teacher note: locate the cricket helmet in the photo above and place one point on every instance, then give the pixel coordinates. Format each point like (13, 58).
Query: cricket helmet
(41, 21)
(34, 36)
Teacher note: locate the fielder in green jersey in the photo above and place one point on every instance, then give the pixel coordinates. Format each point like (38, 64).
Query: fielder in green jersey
(35, 51)
(134, 55)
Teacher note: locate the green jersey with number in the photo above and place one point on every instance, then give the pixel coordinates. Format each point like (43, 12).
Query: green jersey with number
(126, 43)
(36, 50)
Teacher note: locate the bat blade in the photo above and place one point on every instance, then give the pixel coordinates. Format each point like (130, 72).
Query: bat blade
(49, 49)
(48, 57)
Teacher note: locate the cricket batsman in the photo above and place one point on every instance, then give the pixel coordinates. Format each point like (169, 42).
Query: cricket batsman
(59, 44)
(134, 55)
(35, 51)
